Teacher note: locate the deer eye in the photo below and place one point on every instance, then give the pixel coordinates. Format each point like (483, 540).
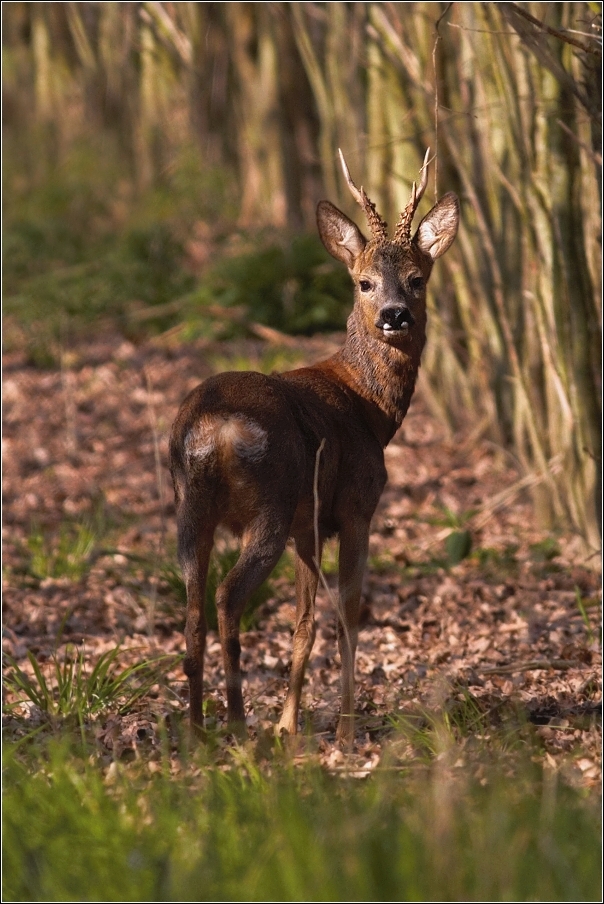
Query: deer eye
(416, 283)
(364, 285)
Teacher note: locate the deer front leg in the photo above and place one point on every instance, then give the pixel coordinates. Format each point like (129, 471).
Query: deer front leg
(354, 545)
(307, 577)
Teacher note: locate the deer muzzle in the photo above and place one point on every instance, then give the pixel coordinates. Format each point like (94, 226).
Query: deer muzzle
(395, 319)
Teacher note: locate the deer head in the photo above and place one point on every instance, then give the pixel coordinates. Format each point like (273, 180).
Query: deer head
(390, 275)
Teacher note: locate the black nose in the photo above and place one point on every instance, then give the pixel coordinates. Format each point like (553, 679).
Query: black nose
(396, 317)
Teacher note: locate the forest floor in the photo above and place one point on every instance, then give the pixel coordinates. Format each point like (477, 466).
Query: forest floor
(503, 632)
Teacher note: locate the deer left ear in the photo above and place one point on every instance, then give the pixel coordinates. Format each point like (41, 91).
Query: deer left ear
(437, 230)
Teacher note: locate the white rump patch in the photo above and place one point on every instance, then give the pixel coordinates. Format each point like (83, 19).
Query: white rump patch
(247, 438)
(200, 441)
(243, 435)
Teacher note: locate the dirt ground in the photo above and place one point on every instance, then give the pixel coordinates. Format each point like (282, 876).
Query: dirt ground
(511, 632)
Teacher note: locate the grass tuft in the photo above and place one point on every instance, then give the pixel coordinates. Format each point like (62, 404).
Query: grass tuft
(70, 687)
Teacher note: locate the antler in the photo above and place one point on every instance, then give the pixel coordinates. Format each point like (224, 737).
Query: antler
(378, 226)
(402, 234)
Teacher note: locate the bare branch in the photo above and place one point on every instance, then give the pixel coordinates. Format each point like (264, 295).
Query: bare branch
(555, 32)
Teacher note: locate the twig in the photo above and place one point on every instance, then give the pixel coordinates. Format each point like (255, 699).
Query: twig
(482, 31)
(559, 664)
(71, 437)
(317, 556)
(593, 155)
(174, 36)
(335, 601)
(437, 39)
(157, 456)
(160, 493)
(154, 311)
(275, 337)
(315, 493)
(363, 771)
(442, 16)
(556, 33)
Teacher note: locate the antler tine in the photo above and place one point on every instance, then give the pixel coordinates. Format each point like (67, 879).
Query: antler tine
(356, 194)
(424, 181)
(402, 234)
(378, 226)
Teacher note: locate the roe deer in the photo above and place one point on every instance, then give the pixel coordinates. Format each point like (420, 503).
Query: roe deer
(244, 449)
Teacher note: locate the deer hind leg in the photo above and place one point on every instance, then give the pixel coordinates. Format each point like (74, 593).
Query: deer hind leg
(307, 576)
(261, 549)
(195, 540)
(354, 545)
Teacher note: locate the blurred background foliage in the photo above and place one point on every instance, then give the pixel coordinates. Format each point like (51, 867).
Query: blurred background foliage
(162, 160)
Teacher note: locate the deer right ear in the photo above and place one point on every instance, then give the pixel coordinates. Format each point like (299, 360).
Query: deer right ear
(342, 238)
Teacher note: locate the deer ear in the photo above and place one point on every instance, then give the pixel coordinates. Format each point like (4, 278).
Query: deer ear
(342, 238)
(437, 230)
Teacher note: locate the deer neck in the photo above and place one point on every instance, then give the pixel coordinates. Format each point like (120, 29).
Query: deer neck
(382, 375)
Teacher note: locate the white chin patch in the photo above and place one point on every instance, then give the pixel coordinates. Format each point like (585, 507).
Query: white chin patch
(390, 329)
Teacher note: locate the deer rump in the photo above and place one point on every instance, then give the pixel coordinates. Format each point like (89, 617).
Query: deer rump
(300, 454)
(239, 465)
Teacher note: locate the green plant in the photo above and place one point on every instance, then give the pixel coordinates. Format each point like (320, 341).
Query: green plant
(545, 550)
(458, 543)
(293, 287)
(382, 563)
(69, 550)
(448, 518)
(459, 723)
(582, 606)
(543, 555)
(458, 546)
(497, 563)
(71, 687)
(65, 556)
